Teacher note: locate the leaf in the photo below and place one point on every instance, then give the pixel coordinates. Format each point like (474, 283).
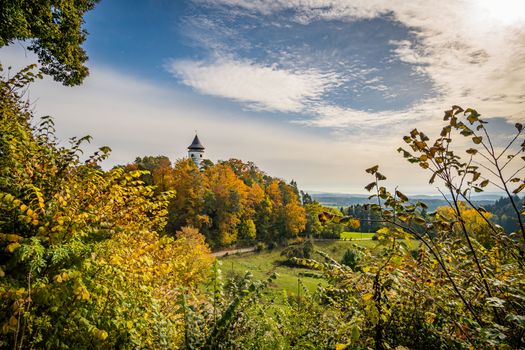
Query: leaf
(420, 145)
(445, 130)
(401, 196)
(477, 139)
(432, 178)
(418, 220)
(466, 132)
(484, 183)
(519, 189)
(495, 302)
(519, 126)
(12, 247)
(472, 151)
(368, 296)
(355, 332)
(456, 109)
(373, 169)
(430, 317)
(370, 186)
(380, 176)
(472, 118)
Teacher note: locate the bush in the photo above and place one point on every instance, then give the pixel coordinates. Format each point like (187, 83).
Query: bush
(301, 251)
(82, 264)
(260, 246)
(351, 259)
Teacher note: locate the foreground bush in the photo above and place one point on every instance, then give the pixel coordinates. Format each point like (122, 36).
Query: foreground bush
(81, 263)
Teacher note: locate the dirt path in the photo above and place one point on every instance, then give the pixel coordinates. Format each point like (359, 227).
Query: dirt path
(233, 251)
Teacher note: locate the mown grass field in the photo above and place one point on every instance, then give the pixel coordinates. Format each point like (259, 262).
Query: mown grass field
(356, 235)
(263, 264)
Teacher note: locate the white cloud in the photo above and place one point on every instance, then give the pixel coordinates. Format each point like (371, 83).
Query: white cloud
(262, 87)
(472, 50)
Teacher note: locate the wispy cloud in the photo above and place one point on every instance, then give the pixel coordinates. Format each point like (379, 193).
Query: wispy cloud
(472, 52)
(260, 87)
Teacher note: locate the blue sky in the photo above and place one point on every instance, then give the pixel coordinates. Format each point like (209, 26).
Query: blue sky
(314, 90)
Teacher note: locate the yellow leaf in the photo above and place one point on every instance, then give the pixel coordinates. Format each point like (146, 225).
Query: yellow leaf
(58, 279)
(13, 321)
(102, 335)
(368, 296)
(430, 317)
(340, 346)
(12, 247)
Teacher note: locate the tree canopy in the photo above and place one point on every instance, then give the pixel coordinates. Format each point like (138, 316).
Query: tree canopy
(54, 29)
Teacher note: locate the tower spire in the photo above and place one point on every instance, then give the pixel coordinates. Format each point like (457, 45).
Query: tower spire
(196, 150)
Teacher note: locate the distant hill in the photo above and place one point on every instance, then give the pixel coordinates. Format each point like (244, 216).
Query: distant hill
(345, 200)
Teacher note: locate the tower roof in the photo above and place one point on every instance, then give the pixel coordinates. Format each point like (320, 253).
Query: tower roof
(196, 144)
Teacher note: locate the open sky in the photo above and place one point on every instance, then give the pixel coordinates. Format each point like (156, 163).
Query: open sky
(311, 90)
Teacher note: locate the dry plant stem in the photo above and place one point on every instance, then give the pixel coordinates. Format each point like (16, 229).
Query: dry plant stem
(502, 178)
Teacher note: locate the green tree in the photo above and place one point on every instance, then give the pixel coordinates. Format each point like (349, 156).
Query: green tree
(55, 31)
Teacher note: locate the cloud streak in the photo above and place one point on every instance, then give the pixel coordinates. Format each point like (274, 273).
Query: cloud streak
(260, 87)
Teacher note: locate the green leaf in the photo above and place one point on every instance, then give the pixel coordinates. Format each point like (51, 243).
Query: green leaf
(370, 186)
(484, 183)
(472, 151)
(472, 118)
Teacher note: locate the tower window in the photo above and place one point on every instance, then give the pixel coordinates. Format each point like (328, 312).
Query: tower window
(201, 155)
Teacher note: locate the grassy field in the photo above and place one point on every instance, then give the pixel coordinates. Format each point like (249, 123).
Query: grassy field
(356, 235)
(263, 264)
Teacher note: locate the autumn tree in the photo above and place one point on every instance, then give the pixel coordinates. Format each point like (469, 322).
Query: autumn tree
(187, 208)
(226, 199)
(476, 222)
(159, 171)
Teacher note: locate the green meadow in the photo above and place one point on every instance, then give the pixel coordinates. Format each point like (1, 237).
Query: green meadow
(264, 263)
